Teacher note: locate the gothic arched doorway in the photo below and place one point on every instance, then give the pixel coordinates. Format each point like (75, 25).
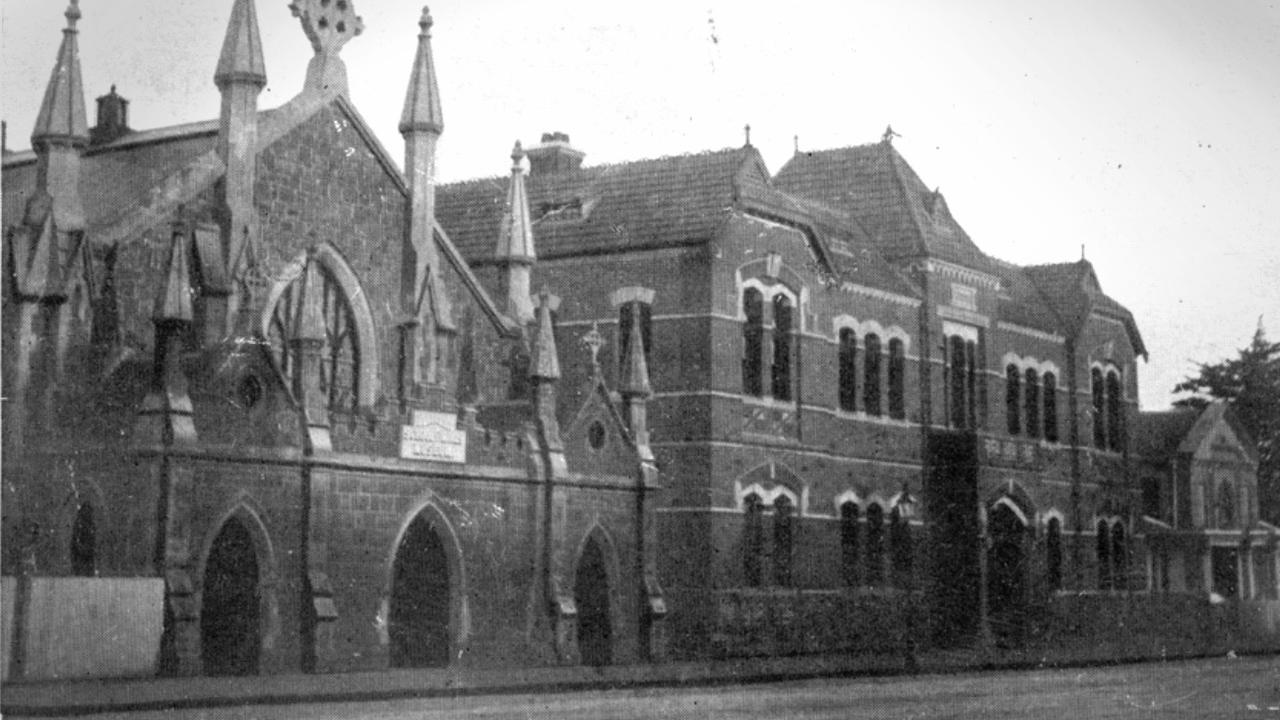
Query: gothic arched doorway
(419, 622)
(591, 594)
(1006, 571)
(230, 615)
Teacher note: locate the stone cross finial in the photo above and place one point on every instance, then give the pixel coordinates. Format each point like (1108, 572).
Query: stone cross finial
(329, 24)
(594, 341)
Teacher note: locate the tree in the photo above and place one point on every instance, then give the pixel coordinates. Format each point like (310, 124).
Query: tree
(1251, 383)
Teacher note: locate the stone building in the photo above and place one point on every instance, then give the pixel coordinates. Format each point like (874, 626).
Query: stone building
(857, 414)
(241, 356)
(1199, 478)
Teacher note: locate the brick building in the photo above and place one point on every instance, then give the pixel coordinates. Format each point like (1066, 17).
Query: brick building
(317, 400)
(242, 357)
(857, 413)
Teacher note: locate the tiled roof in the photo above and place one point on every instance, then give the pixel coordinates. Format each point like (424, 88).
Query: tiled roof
(1022, 304)
(116, 177)
(1156, 435)
(902, 216)
(663, 202)
(1073, 291)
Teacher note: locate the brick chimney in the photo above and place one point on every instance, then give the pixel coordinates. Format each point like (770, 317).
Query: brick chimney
(554, 155)
(113, 119)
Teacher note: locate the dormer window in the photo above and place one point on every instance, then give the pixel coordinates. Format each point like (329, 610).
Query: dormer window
(559, 210)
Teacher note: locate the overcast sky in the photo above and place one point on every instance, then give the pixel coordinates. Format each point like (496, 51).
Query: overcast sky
(1146, 130)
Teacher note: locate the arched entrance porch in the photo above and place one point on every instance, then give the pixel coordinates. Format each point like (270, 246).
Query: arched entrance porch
(420, 611)
(1007, 569)
(230, 613)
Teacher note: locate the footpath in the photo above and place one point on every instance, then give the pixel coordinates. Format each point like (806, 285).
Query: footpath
(87, 697)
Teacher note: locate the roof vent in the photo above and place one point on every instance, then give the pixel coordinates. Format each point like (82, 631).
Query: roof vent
(113, 119)
(554, 155)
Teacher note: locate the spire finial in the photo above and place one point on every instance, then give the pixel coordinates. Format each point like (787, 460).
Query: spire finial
(422, 101)
(425, 22)
(62, 115)
(795, 141)
(241, 59)
(889, 134)
(543, 362)
(746, 129)
(72, 14)
(517, 154)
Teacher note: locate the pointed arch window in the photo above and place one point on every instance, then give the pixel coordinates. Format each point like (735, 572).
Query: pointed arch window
(849, 543)
(1013, 398)
(782, 347)
(340, 357)
(1053, 554)
(783, 537)
(848, 370)
(871, 375)
(897, 379)
(1119, 557)
(1050, 407)
(1226, 505)
(1031, 399)
(875, 545)
(1115, 412)
(753, 541)
(901, 548)
(84, 543)
(1099, 409)
(1103, 545)
(753, 343)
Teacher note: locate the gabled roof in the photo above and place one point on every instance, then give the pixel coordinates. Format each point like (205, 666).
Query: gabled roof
(1021, 303)
(901, 215)
(118, 176)
(1158, 436)
(1073, 291)
(664, 202)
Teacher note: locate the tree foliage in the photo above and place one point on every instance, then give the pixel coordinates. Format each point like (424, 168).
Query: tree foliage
(1251, 383)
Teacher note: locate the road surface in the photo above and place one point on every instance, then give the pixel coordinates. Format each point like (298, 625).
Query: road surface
(1203, 689)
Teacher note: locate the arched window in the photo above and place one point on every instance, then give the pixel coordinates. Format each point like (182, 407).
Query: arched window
(84, 543)
(339, 362)
(753, 541)
(901, 547)
(848, 370)
(783, 533)
(897, 380)
(875, 545)
(1032, 397)
(1099, 409)
(782, 346)
(1103, 543)
(1050, 407)
(959, 381)
(753, 343)
(1053, 552)
(1119, 557)
(1115, 412)
(849, 543)
(871, 375)
(1013, 398)
(628, 315)
(1226, 505)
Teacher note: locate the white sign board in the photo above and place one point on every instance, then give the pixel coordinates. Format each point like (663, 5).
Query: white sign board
(433, 436)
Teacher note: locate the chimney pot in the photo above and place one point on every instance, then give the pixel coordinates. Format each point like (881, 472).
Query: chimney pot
(113, 119)
(554, 155)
